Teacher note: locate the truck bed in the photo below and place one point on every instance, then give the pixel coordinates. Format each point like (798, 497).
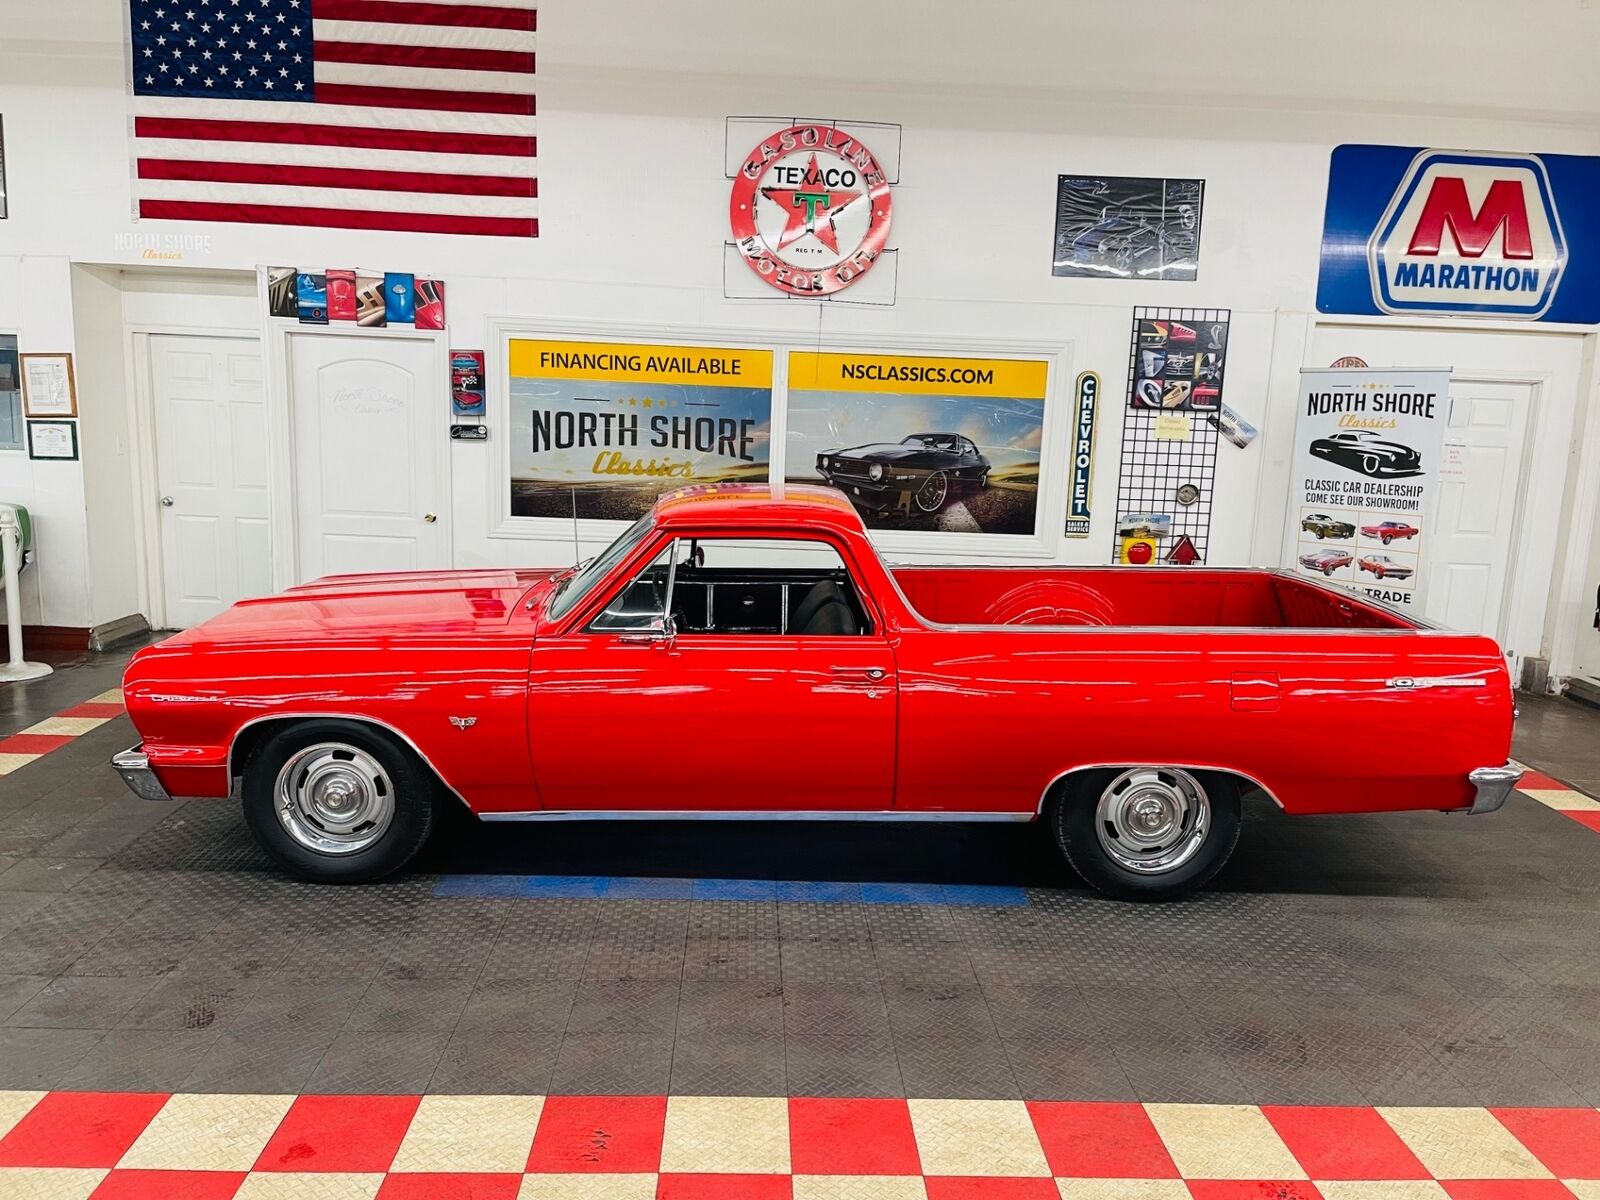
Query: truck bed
(1120, 596)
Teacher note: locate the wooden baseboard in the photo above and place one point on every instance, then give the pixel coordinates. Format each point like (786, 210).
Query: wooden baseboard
(55, 637)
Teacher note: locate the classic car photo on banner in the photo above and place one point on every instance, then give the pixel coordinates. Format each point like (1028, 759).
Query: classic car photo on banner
(921, 443)
(607, 427)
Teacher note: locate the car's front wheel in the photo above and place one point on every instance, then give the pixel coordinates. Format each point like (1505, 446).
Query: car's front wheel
(338, 801)
(933, 492)
(1147, 833)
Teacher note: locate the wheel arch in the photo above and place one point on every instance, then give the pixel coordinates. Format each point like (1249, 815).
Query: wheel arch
(249, 737)
(1054, 789)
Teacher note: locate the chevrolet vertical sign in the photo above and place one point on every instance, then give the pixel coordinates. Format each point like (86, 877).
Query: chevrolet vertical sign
(1412, 231)
(1082, 484)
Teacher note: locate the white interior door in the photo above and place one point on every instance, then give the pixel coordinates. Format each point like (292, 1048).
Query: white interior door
(1475, 525)
(369, 415)
(211, 468)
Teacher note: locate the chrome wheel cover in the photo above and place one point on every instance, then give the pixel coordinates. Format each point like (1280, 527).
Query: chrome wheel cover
(1151, 820)
(930, 496)
(334, 798)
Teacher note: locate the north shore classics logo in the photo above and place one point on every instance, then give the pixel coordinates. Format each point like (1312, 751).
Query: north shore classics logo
(1469, 233)
(810, 210)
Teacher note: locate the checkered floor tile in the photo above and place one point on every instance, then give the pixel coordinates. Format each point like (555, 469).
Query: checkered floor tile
(52, 733)
(1566, 800)
(144, 1146)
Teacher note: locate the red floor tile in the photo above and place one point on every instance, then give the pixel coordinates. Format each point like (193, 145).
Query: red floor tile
(33, 743)
(1506, 1189)
(1100, 1141)
(79, 1129)
(94, 708)
(1253, 1189)
(168, 1185)
(1591, 819)
(1538, 781)
(1566, 1140)
(422, 1185)
(723, 1187)
(339, 1133)
(1344, 1143)
(852, 1137)
(619, 1135)
(973, 1187)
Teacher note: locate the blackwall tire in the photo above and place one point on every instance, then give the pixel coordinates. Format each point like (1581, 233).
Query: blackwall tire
(933, 493)
(338, 802)
(1160, 870)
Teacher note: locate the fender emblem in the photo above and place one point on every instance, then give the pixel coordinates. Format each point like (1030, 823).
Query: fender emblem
(1407, 683)
(463, 722)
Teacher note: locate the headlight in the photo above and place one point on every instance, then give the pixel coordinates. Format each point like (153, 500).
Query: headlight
(826, 462)
(875, 472)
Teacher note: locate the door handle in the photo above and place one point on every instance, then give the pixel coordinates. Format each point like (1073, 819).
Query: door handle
(166, 502)
(872, 673)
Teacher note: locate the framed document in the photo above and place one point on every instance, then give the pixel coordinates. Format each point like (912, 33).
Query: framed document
(53, 439)
(48, 388)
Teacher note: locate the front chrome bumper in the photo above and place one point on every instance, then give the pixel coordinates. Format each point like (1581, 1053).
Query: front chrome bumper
(133, 765)
(1493, 785)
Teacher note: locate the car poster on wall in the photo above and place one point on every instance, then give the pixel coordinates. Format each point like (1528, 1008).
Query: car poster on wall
(1368, 448)
(1122, 228)
(604, 428)
(931, 444)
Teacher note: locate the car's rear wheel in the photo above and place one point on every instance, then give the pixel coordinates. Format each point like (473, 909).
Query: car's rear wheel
(931, 495)
(338, 801)
(1148, 832)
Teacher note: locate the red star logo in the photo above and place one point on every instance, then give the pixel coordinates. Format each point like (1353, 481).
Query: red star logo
(811, 210)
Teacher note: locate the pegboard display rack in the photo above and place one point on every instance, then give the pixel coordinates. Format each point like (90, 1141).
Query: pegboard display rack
(1152, 469)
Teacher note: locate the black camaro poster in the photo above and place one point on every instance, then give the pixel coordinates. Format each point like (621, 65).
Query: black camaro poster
(1124, 228)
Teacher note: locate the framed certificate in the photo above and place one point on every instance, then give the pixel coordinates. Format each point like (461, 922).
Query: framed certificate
(48, 388)
(53, 439)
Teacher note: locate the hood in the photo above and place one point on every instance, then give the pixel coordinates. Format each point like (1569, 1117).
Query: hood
(431, 602)
(890, 451)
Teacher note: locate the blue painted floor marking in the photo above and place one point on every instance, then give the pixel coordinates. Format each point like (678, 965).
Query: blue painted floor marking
(633, 887)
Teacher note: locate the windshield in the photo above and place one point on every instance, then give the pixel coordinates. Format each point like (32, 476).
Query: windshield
(576, 586)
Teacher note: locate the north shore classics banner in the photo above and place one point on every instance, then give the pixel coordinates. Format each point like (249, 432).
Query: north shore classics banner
(926, 443)
(604, 428)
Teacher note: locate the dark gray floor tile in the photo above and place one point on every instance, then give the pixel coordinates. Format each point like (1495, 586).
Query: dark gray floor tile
(639, 1064)
(283, 1004)
(259, 1061)
(378, 1063)
(82, 1002)
(723, 1064)
(863, 1065)
(47, 874)
(17, 990)
(41, 1058)
(525, 1005)
(397, 1005)
(140, 1060)
(1067, 1069)
(497, 1062)
(973, 1067)
(192, 1001)
(632, 1006)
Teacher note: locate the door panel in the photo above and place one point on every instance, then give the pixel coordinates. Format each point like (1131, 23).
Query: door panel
(729, 722)
(211, 462)
(367, 432)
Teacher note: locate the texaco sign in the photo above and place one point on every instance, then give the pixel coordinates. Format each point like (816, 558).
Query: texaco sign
(810, 210)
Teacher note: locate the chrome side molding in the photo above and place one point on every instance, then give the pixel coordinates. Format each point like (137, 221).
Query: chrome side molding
(133, 764)
(1493, 785)
(1412, 683)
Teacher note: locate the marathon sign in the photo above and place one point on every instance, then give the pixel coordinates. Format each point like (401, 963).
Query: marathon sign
(1412, 231)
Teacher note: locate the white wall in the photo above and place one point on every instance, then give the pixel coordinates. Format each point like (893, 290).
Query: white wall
(995, 102)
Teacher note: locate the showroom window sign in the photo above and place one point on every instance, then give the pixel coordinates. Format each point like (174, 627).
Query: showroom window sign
(1113, 227)
(1411, 231)
(928, 444)
(810, 210)
(604, 428)
(1369, 445)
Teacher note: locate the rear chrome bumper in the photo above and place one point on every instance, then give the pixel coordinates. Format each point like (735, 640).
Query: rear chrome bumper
(133, 765)
(1493, 785)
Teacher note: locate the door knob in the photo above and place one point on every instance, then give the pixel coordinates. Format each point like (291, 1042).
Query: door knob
(429, 518)
(166, 502)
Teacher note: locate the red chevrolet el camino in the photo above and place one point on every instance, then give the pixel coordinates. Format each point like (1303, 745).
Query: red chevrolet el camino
(742, 652)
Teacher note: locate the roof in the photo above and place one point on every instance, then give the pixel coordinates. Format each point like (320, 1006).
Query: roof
(758, 504)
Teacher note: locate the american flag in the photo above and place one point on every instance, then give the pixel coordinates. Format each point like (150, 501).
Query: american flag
(358, 114)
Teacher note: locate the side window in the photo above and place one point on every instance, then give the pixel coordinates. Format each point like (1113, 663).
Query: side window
(789, 587)
(642, 603)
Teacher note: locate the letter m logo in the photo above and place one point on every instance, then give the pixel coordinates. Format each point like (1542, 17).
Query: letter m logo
(1468, 233)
